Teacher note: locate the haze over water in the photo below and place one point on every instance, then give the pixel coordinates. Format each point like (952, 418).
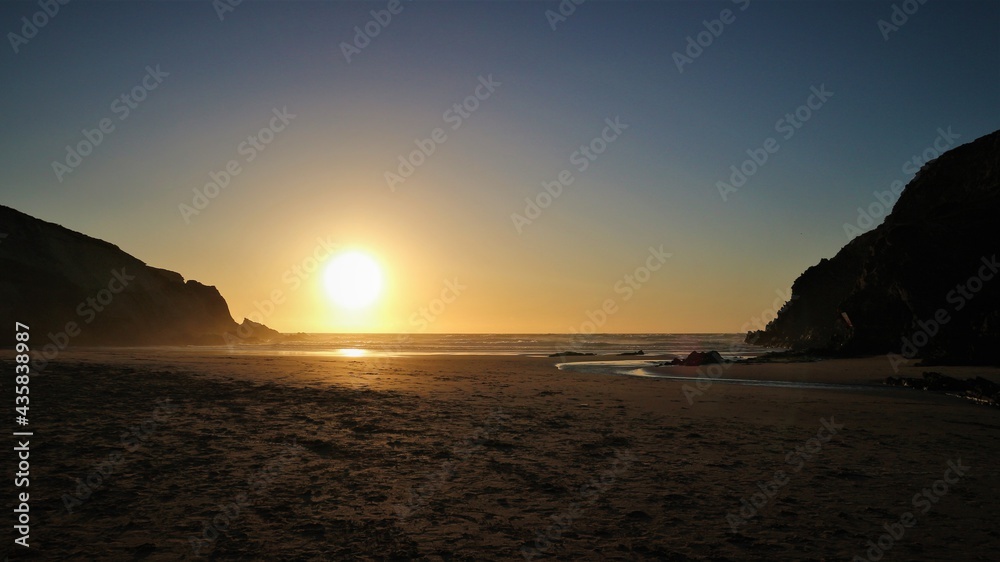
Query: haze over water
(729, 345)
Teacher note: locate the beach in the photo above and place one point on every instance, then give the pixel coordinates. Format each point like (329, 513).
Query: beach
(171, 454)
(501, 281)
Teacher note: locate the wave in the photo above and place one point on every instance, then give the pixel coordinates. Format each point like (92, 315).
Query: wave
(729, 345)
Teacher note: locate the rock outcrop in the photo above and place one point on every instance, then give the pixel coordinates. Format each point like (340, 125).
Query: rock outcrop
(74, 289)
(697, 359)
(253, 332)
(979, 390)
(922, 283)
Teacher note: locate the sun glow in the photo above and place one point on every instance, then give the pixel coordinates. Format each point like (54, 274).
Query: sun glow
(353, 280)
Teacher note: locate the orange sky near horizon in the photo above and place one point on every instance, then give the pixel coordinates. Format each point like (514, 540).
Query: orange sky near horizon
(506, 174)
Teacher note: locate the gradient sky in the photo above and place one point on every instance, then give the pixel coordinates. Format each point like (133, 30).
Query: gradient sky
(323, 176)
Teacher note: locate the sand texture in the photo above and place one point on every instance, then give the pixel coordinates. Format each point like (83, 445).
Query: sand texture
(242, 457)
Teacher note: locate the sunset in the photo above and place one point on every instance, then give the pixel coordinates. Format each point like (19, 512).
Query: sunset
(400, 280)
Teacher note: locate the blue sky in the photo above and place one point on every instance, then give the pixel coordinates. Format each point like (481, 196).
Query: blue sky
(324, 175)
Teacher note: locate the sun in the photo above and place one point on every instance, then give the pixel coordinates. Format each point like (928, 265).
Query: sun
(353, 280)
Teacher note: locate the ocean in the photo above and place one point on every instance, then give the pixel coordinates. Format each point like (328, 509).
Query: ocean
(730, 346)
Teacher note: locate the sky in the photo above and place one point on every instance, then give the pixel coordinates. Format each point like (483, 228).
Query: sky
(709, 152)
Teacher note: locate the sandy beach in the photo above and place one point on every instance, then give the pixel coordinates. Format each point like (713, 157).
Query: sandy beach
(501, 281)
(167, 454)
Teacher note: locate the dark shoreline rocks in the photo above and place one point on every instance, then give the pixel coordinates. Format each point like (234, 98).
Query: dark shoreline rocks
(697, 359)
(977, 389)
(787, 357)
(253, 332)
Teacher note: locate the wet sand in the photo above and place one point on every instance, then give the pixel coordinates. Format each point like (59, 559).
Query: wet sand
(236, 457)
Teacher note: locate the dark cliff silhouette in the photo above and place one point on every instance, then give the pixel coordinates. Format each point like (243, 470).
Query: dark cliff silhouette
(74, 289)
(922, 283)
